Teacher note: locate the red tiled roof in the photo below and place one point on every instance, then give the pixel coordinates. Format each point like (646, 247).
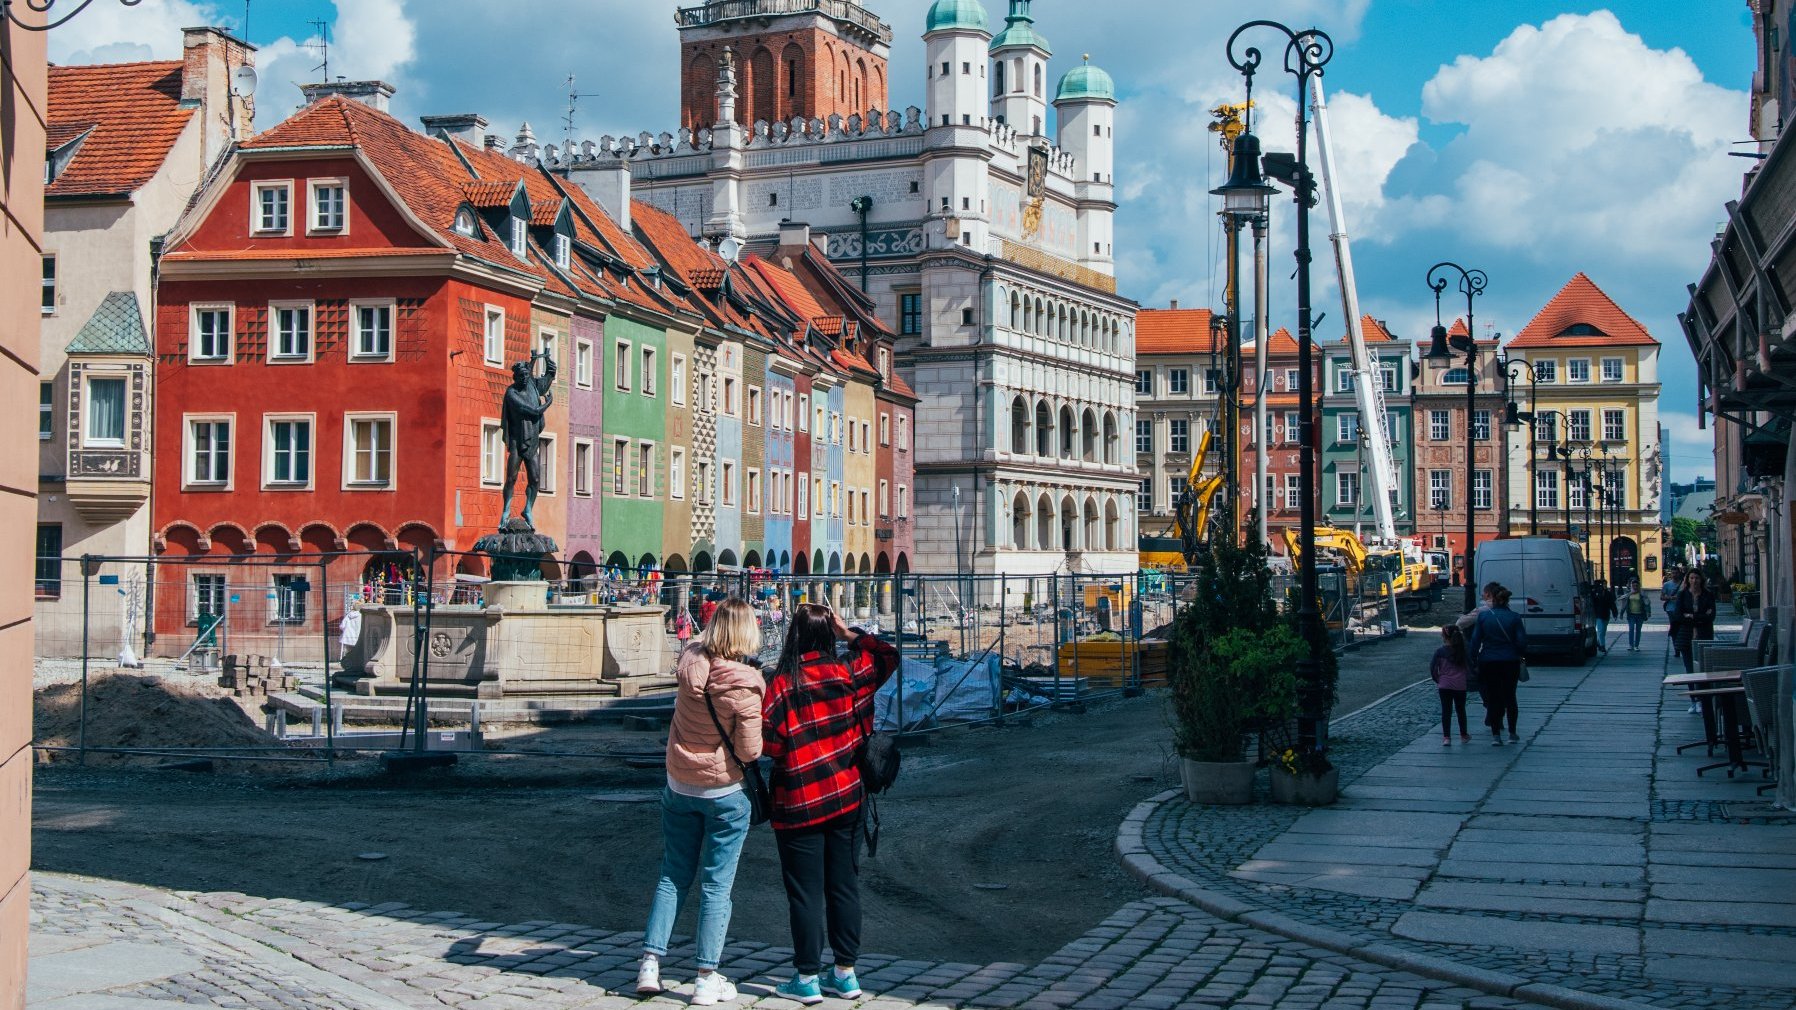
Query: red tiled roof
(322, 124)
(1374, 330)
(1174, 331)
(792, 292)
(1458, 328)
(305, 254)
(488, 193)
(135, 113)
(669, 238)
(1581, 302)
(1280, 343)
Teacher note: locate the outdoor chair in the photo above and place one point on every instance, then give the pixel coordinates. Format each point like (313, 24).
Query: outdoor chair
(1749, 651)
(1761, 708)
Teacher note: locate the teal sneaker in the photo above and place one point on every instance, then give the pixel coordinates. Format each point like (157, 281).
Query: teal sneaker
(808, 993)
(843, 986)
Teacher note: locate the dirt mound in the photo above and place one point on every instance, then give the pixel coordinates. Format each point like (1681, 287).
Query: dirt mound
(132, 710)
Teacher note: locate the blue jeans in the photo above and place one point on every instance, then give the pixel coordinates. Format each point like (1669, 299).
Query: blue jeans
(703, 839)
(1635, 623)
(1602, 633)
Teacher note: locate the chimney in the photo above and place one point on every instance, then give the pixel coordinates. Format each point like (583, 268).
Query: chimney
(495, 144)
(1175, 304)
(794, 234)
(467, 127)
(210, 58)
(373, 94)
(609, 184)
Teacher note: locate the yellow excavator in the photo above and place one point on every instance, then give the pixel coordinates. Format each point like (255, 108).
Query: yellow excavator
(1407, 576)
(1191, 518)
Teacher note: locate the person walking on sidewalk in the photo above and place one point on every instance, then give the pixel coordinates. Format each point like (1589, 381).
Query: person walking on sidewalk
(704, 812)
(1602, 601)
(818, 713)
(1636, 607)
(1497, 644)
(1449, 670)
(1695, 618)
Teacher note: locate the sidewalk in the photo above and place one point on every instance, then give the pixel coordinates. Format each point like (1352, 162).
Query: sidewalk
(1585, 865)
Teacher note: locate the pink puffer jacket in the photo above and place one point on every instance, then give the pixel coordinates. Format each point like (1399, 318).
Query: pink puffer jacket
(695, 751)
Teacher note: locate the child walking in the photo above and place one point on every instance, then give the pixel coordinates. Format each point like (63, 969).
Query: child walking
(1450, 670)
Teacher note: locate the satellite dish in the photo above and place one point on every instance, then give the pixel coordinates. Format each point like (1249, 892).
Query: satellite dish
(729, 248)
(243, 81)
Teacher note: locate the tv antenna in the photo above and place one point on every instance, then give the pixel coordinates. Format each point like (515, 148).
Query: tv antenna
(573, 97)
(322, 47)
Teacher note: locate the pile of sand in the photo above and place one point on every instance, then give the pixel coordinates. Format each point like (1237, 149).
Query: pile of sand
(133, 710)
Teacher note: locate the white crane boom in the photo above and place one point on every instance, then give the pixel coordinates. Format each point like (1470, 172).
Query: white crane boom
(1368, 385)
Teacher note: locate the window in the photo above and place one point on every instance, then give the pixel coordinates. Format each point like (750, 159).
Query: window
(851, 521)
(290, 598)
(676, 472)
(492, 453)
(1144, 497)
(904, 432)
(835, 428)
(368, 450)
(1577, 370)
(621, 375)
(329, 204)
(1292, 423)
(292, 337)
(46, 410)
(1270, 501)
(885, 363)
(620, 465)
(835, 499)
(1346, 427)
(754, 405)
(1388, 376)
(1577, 491)
(866, 437)
(494, 347)
(1347, 489)
(804, 494)
(754, 491)
(1440, 489)
(1615, 425)
(1178, 381)
(820, 504)
(885, 499)
(1481, 425)
(851, 435)
(269, 207)
(1440, 425)
(1144, 382)
(209, 333)
(1546, 427)
(702, 478)
(583, 364)
(1455, 377)
(288, 454)
(465, 224)
(966, 315)
(48, 574)
(910, 313)
(564, 251)
(373, 330)
(1577, 423)
(1612, 369)
(547, 341)
(104, 426)
(1481, 489)
(1546, 489)
(903, 502)
(649, 371)
(519, 237)
(208, 597)
(1212, 381)
(1179, 439)
(645, 470)
(546, 463)
(583, 469)
(1293, 492)
(676, 379)
(1144, 436)
(49, 294)
(729, 396)
(1176, 487)
(866, 507)
(804, 412)
(1344, 380)
(1291, 381)
(885, 428)
(1546, 371)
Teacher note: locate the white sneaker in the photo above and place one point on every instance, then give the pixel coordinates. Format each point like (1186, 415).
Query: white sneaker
(648, 979)
(712, 989)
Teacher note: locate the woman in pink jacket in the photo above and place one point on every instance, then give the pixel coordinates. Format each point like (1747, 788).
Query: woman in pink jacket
(704, 812)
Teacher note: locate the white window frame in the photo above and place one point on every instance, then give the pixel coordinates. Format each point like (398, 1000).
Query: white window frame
(492, 452)
(1440, 489)
(1481, 425)
(885, 428)
(1621, 427)
(356, 353)
(804, 412)
(1571, 371)
(1546, 489)
(1347, 489)
(1144, 430)
(350, 451)
(1144, 382)
(903, 432)
(583, 364)
(1292, 379)
(1293, 493)
(274, 332)
(1347, 427)
(701, 480)
(519, 240)
(1178, 382)
(676, 379)
(867, 437)
(1621, 369)
(754, 406)
(189, 481)
(548, 342)
(645, 474)
(493, 340)
(268, 423)
(1293, 421)
(216, 579)
(50, 280)
(903, 501)
(620, 468)
(803, 487)
(1440, 425)
(622, 369)
(286, 604)
(256, 190)
(46, 411)
(730, 397)
(583, 468)
(676, 472)
(312, 207)
(546, 465)
(193, 332)
(1388, 377)
(1483, 490)
(650, 372)
(726, 471)
(1546, 371)
(885, 499)
(1572, 417)
(564, 251)
(1174, 436)
(752, 491)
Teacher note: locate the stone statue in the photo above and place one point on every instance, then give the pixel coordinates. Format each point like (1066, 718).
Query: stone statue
(521, 425)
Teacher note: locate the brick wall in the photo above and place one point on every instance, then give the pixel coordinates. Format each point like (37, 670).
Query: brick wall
(804, 72)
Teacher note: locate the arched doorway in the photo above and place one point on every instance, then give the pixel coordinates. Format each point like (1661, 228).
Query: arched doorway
(1624, 561)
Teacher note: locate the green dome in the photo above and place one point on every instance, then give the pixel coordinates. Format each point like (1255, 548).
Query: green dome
(1019, 30)
(1085, 82)
(949, 14)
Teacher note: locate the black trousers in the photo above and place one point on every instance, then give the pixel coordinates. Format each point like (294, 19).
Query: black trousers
(1500, 679)
(821, 867)
(1452, 701)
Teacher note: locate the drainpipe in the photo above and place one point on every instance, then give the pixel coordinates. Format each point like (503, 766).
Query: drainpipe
(861, 205)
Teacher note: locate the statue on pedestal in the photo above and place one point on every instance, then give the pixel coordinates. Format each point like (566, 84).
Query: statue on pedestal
(521, 425)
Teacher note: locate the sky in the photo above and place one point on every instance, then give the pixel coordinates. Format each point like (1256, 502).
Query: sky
(1531, 139)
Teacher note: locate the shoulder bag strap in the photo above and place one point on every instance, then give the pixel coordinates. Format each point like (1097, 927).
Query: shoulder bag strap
(715, 721)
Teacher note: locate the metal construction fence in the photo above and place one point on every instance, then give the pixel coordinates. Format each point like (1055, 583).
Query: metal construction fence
(252, 649)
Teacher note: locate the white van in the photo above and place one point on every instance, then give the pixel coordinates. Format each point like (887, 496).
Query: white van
(1546, 578)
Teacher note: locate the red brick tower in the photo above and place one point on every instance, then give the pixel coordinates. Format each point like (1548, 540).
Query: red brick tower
(813, 58)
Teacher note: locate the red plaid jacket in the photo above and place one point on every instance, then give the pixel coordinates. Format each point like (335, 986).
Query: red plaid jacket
(813, 726)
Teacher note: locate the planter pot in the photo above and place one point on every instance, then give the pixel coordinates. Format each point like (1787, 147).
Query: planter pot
(1222, 782)
(1305, 790)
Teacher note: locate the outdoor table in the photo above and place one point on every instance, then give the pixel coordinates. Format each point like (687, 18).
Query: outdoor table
(1693, 683)
(1727, 698)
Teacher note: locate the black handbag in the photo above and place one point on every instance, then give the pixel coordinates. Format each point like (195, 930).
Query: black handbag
(760, 798)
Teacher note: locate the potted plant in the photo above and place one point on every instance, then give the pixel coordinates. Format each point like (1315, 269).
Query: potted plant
(1304, 778)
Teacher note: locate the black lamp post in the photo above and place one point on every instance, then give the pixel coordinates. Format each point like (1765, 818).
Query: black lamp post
(1471, 284)
(1306, 53)
(1513, 417)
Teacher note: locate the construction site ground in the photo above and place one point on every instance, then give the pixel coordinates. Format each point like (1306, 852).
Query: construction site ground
(996, 847)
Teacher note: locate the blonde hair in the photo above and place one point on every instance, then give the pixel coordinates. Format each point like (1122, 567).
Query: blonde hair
(733, 632)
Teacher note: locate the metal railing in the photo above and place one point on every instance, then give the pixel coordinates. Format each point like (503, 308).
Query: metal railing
(730, 10)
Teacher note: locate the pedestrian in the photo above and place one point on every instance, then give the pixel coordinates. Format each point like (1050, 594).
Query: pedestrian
(1497, 645)
(1695, 618)
(1635, 606)
(704, 811)
(708, 609)
(818, 711)
(682, 627)
(1602, 601)
(1451, 674)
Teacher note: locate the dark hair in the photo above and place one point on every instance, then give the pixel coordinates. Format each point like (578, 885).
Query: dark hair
(810, 630)
(1498, 595)
(1455, 642)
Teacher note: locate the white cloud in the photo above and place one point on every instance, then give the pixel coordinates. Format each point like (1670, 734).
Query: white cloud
(112, 33)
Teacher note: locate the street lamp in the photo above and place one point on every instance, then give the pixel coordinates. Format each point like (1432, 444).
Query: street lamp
(1306, 53)
(1513, 418)
(1245, 199)
(1471, 284)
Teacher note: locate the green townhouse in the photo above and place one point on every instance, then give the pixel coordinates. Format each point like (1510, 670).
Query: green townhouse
(636, 451)
(1346, 455)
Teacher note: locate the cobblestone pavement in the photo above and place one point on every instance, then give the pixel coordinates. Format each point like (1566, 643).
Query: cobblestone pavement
(272, 954)
(1589, 858)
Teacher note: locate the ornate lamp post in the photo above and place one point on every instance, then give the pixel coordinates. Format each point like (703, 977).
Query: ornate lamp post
(1471, 284)
(1305, 54)
(1245, 198)
(1513, 417)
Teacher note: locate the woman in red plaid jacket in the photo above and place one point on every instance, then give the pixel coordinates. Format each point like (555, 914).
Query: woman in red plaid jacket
(817, 711)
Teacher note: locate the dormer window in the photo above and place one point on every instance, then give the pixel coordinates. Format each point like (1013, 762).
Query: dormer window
(564, 251)
(465, 223)
(518, 237)
(329, 204)
(270, 204)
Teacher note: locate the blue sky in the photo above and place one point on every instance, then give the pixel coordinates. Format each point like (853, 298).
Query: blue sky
(1530, 138)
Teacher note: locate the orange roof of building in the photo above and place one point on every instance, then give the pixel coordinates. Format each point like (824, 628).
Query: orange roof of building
(1279, 343)
(792, 292)
(134, 113)
(1374, 330)
(1458, 328)
(485, 193)
(1174, 331)
(1582, 305)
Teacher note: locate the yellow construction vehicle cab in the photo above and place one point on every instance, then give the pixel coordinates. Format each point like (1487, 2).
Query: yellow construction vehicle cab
(1168, 553)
